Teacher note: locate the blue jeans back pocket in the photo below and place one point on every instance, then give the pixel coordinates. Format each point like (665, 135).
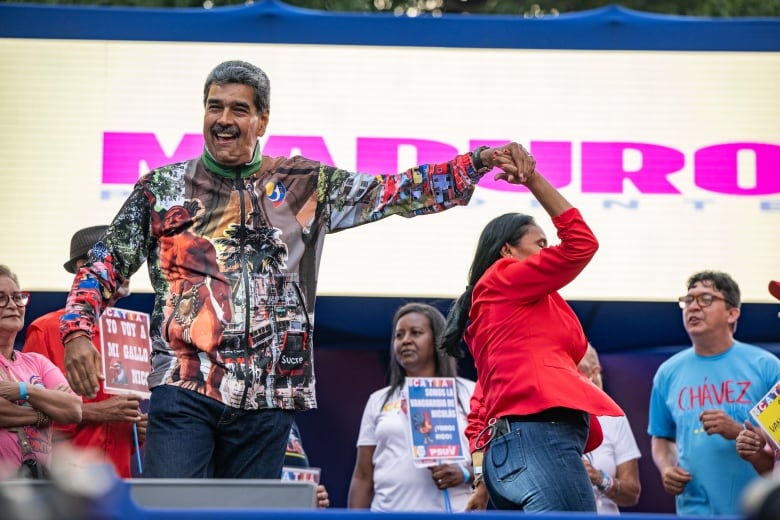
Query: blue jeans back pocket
(507, 455)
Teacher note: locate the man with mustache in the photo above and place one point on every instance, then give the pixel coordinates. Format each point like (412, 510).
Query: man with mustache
(701, 396)
(253, 291)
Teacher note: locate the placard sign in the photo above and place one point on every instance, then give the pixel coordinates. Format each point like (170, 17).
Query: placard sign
(301, 474)
(126, 348)
(433, 420)
(767, 413)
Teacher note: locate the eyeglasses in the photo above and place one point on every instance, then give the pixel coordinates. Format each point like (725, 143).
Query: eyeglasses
(703, 299)
(20, 299)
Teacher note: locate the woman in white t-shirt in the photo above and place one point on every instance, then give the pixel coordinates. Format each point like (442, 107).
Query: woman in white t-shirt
(613, 467)
(385, 478)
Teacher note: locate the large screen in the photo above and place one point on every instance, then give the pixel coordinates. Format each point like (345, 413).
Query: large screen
(673, 157)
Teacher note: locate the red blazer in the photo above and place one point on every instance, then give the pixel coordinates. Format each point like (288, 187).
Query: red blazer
(525, 339)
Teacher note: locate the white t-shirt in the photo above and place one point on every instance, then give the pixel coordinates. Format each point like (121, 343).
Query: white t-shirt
(618, 446)
(399, 485)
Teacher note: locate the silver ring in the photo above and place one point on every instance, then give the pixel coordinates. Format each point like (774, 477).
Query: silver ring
(438, 481)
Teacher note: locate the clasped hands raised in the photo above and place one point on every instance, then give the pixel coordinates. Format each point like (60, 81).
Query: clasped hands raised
(517, 164)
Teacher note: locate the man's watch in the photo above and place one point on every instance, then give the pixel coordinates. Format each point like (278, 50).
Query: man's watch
(476, 159)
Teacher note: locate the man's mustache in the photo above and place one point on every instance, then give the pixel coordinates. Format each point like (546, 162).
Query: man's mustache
(231, 130)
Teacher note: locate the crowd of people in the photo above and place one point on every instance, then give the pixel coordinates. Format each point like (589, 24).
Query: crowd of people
(234, 278)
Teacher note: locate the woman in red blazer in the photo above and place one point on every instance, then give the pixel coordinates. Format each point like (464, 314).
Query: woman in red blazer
(531, 410)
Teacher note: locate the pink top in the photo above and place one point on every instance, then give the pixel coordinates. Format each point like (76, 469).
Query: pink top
(34, 369)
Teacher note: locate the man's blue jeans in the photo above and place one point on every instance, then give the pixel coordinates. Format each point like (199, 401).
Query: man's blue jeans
(537, 466)
(190, 435)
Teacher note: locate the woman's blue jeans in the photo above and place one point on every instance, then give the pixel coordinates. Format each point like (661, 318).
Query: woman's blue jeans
(190, 435)
(537, 466)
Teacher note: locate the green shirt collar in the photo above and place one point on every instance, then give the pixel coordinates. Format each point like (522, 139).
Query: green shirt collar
(231, 172)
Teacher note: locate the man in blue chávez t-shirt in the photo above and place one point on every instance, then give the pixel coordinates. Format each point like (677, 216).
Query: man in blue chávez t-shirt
(700, 398)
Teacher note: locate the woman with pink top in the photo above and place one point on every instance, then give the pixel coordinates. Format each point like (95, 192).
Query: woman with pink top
(33, 392)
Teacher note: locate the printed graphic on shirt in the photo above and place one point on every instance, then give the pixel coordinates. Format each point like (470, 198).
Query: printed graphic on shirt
(238, 273)
(729, 395)
(276, 193)
(709, 394)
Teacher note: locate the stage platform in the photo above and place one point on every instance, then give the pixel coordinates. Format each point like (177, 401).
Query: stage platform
(181, 499)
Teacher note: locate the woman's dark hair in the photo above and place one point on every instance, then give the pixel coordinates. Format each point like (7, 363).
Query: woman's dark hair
(509, 228)
(446, 366)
